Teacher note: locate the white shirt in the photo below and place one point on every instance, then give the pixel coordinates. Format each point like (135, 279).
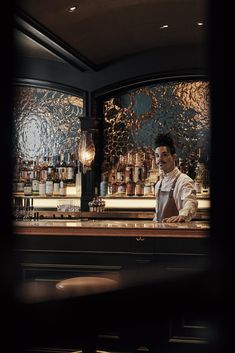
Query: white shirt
(184, 192)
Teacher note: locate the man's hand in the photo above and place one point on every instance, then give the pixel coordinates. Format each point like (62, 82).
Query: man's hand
(174, 219)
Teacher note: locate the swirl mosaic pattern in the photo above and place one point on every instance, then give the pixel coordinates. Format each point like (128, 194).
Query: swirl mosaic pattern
(46, 122)
(132, 120)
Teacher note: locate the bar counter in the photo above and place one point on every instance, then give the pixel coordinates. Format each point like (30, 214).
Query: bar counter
(49, 251)
(107, 228)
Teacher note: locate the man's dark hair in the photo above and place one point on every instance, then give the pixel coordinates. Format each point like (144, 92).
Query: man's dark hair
(165, 140)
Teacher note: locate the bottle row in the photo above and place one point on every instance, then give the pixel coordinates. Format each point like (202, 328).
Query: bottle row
(47, 177)
(137, 173)
(59, 168)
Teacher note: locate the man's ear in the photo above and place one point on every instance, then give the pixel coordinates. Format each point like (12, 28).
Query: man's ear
(174, 156)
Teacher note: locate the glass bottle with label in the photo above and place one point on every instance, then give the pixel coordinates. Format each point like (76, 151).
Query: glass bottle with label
(154, 172)
(147, 187)
(49, 185)
(144, 168)
(78, 179)
(129, 166)
(28, 186)
(112, 186)
(121, 190)
(62, 189)
(35, 186)
(69, 169)
(56, 184)
(198, 178)
(130, 185)
(104, 185)
(137, 166)
(139, 188)
(42, 187)
(121, 169)
(62, 170)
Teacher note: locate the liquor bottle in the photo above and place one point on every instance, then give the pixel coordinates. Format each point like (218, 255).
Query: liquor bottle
(129, 166)
(62, 189)
(49, 185)
(56, 184)
(78, 179)
(205, 181)
(144, 168)
(113, 171)
(44, 169)
(120, 169)
(42, 187)
(50, 167)
(130, 185)
(147, 187)
(31, 169)
(28, 186)
(198, 178)
(104, 185)
(137, 166)
(18, 176)
(112, 186)
(192, 169)
(154, 172)
(181, 165)
(35, 186)
(24, 170)
(62, 167)
(69, 169)
(121, 186)
(139, 188)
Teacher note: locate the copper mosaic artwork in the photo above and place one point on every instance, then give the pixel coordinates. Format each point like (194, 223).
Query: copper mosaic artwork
(46, 122)
(132, 120)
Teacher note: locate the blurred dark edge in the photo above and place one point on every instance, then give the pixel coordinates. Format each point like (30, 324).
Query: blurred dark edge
(31, 323)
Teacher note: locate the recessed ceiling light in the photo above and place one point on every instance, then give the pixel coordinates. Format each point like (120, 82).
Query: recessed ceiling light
(72, 8)
(200, 23)
(164, 26)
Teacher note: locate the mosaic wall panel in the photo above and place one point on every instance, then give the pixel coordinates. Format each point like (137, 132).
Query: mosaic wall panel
(46, 122)
(133, 120)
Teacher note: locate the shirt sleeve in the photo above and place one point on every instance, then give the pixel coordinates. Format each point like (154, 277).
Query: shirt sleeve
(188, 199)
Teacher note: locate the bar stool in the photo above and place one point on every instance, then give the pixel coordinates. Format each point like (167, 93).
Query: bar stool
(86, 285)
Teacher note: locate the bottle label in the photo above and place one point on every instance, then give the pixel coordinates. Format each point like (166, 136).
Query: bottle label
(49, 187)
(70, 173)
(56, 189)
(103, 188)
(35, 186)
(20, 187)
(62, 190)
(28, 190)
(198, 187)
(42, 189)
(121, 189)
(139, 190)
(147, 189)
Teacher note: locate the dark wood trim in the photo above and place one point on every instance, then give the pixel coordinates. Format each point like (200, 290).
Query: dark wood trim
(135, 82)
(53, 86)
(41, 35)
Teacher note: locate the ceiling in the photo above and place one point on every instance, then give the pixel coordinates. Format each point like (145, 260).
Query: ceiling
(101, 32)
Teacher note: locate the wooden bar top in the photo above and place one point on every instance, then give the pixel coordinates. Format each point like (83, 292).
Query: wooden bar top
(136, 228)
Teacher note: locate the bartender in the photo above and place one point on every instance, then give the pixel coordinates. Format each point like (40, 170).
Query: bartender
(175, 191)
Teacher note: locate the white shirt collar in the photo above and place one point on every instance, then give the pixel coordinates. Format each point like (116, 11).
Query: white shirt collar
(171, 174)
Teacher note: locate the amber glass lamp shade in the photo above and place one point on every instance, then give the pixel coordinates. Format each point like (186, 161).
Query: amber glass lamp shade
(86, 150)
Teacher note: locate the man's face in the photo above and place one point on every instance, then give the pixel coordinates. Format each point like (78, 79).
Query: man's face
(164, 159)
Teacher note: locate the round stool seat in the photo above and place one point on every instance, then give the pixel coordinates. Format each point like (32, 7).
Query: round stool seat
(86, 285)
